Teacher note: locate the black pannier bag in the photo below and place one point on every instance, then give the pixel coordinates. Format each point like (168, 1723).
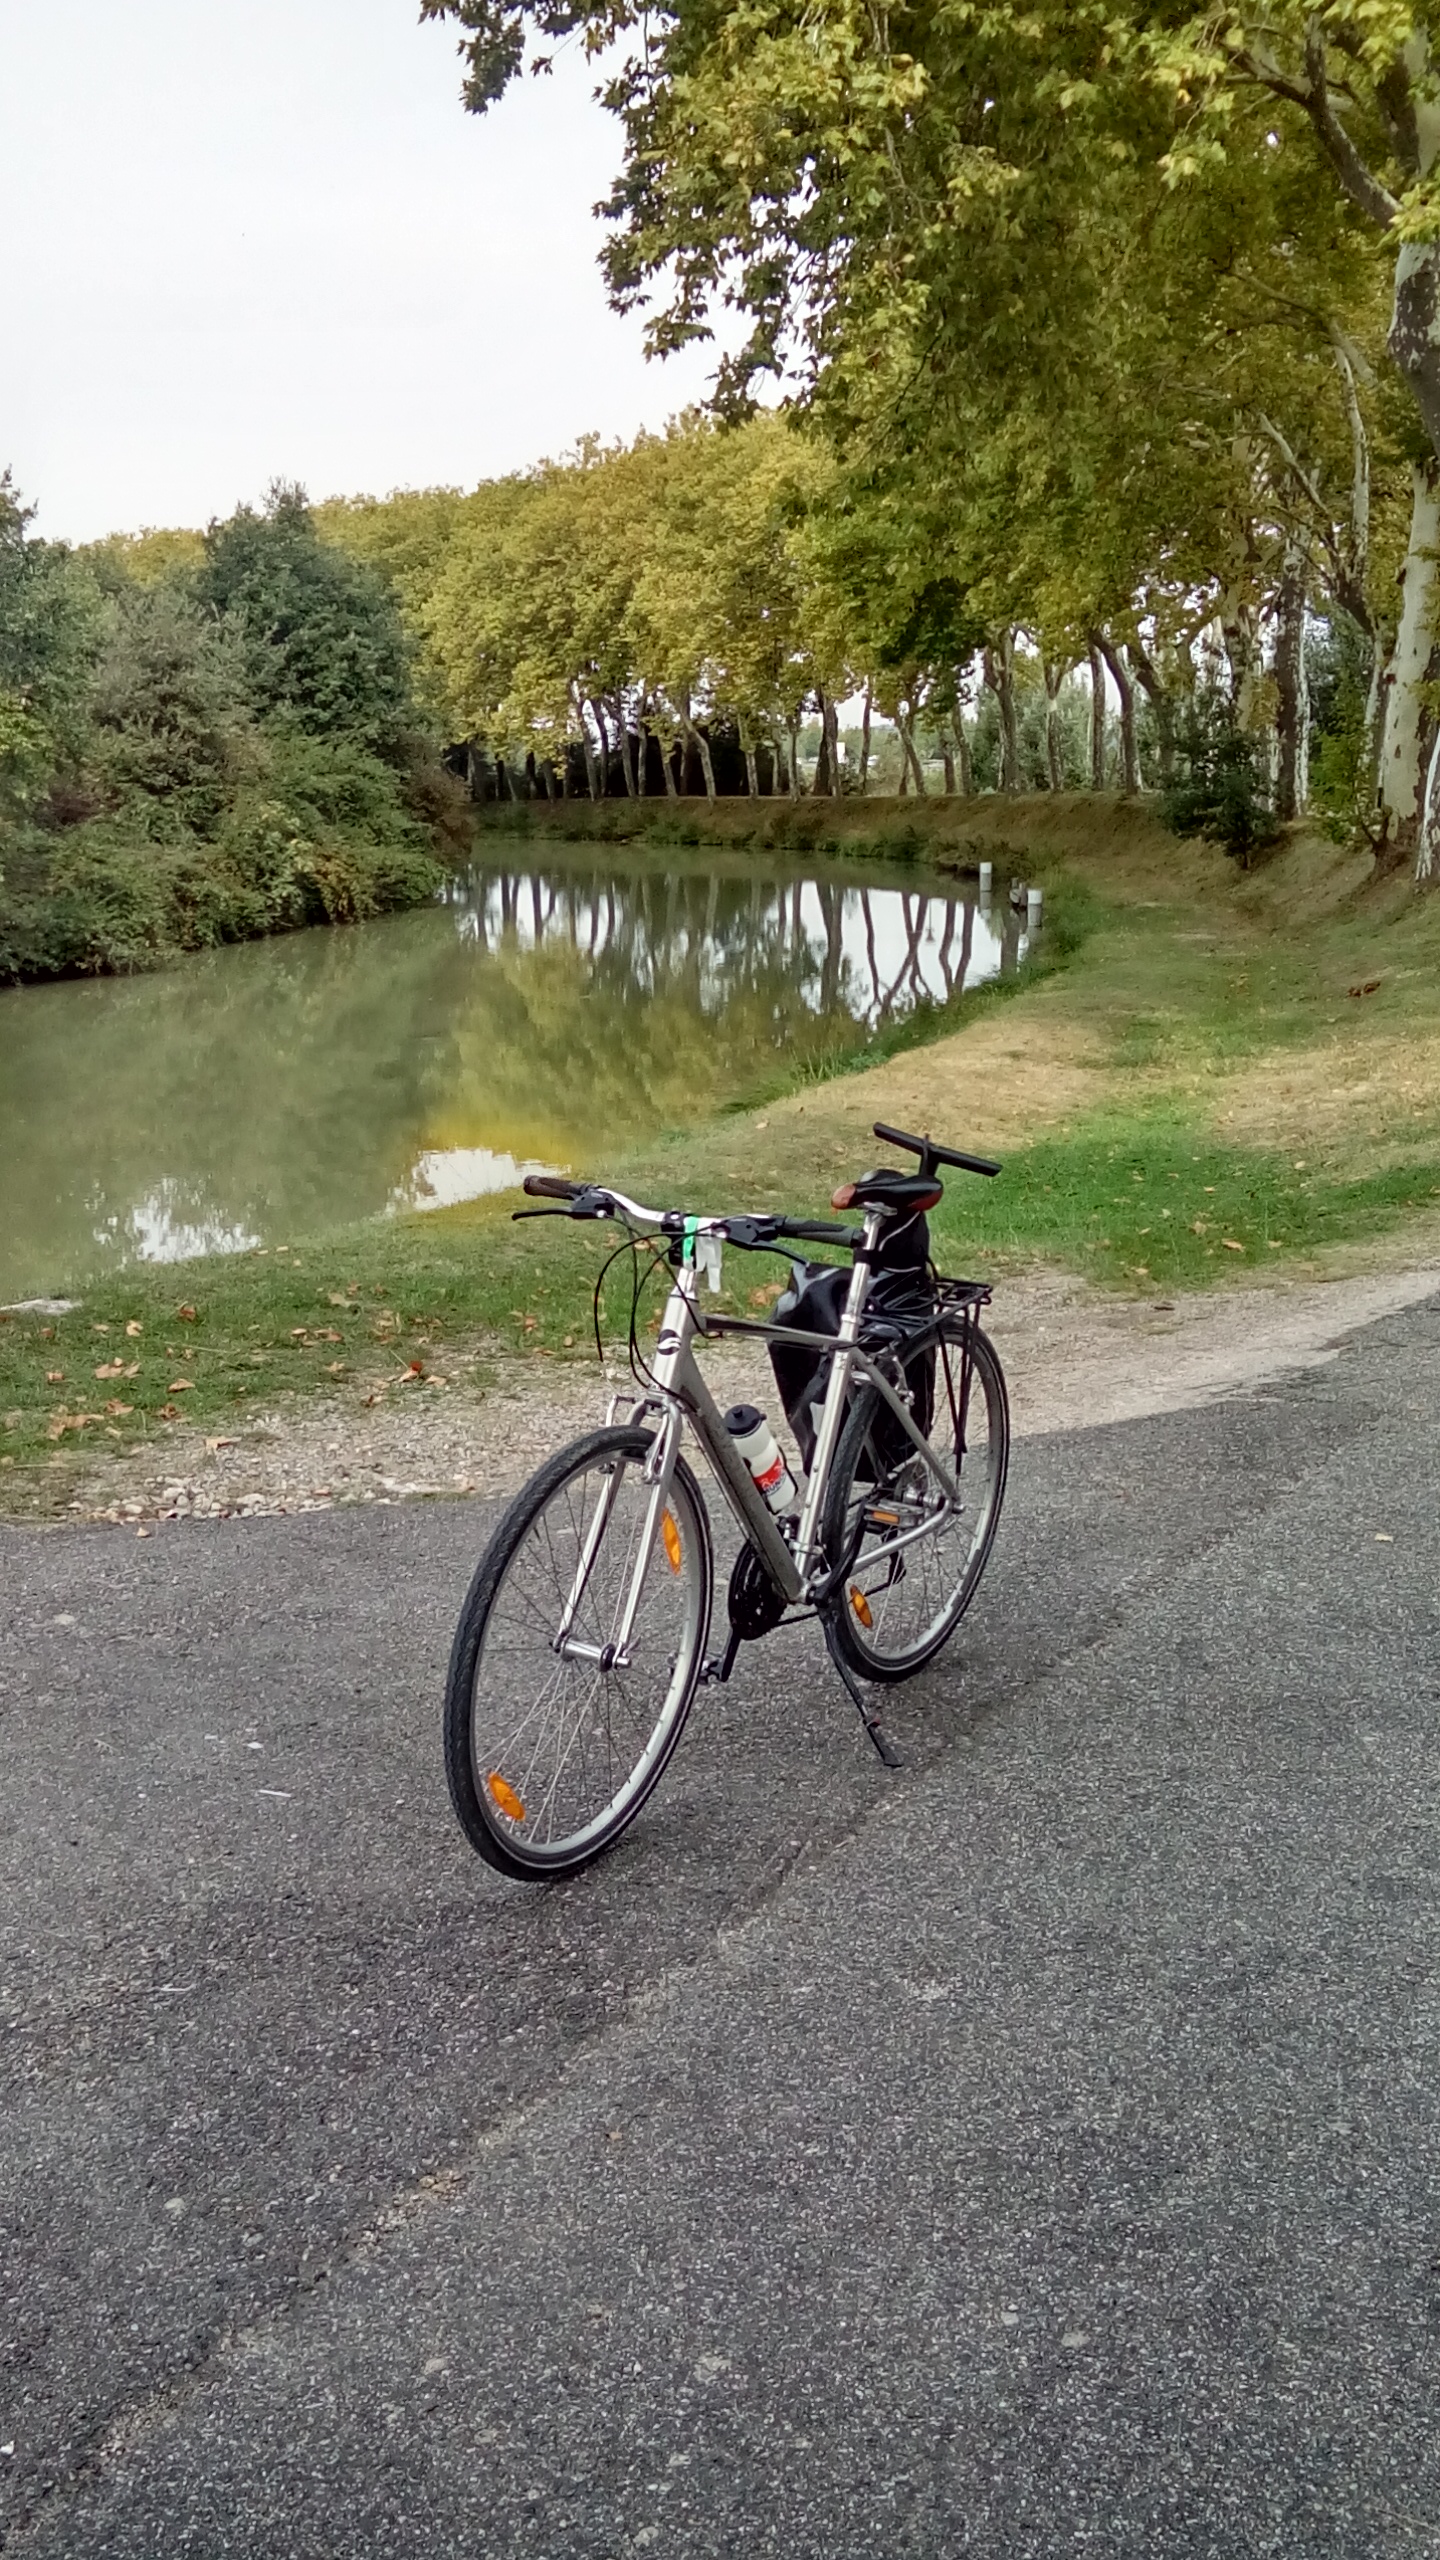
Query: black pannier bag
(901, 1292)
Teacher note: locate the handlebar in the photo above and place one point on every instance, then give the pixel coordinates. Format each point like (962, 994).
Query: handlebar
(551, 1186)
(931, 1153)
(751, 1234)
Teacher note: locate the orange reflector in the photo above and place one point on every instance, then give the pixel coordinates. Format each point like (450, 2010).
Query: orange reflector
(860, 1605)
(886, 1519)
(670, 1532)
(505, 1796)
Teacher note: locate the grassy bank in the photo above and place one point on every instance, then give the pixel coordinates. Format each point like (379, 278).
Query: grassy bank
(956, 832)
(1218, 1078)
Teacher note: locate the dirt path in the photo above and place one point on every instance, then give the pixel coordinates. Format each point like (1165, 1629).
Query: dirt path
(1074, 1359)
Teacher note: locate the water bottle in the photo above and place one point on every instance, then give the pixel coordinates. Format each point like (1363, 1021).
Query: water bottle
(757, 1445)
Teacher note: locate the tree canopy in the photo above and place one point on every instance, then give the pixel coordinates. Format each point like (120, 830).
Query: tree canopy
(1138, 302)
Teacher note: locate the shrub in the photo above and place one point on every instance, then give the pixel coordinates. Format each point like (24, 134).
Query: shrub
(1222, 786)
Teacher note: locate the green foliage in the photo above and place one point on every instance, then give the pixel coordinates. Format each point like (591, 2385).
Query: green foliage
(171, 712)
(1222, 789)
(1338, 660)
(202, 743)
(323, 641)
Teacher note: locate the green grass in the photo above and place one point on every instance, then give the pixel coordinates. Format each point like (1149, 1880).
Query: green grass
(1150, 1197)
(380, 1305)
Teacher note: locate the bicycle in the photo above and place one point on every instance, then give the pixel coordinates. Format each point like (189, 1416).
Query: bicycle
(583, 1636)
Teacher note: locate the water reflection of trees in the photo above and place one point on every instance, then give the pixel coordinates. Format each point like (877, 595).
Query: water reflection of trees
(291, 1084)
(723, 939)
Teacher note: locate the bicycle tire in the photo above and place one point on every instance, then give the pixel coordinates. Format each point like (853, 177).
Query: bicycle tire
(498, 1758)
(859, 1486)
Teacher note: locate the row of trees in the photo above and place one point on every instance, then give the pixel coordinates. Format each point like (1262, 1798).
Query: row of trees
(692, 611)
(1123, 323)
(202, 738)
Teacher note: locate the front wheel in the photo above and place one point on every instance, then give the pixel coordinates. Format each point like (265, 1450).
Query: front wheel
(558, 1717)
(912, 1559)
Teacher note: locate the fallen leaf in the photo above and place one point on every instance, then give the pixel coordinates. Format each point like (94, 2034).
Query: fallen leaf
(221, 1443)
(187, 1315)
(168, 1412)
(327, 1333)
(134, 1329)
(1232, 1244)
(118, 1369)
(54, 1377)
(99, 1328)
(1367, 989)
(116, 1407)
(180, 1386)
(334, 1368)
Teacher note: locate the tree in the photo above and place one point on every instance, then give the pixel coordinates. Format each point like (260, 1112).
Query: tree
(1076, 255)
(324, 645)
(49, 626)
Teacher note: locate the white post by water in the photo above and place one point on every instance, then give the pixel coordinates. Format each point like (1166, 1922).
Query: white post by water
(987, 876)
(1034, 902)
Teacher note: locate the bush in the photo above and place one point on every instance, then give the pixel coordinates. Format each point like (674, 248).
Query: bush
(1222, 786)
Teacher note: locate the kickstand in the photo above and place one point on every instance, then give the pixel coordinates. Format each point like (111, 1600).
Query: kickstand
(878, 1735)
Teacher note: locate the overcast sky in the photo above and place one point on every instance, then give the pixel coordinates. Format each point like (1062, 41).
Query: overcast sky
(255, 237)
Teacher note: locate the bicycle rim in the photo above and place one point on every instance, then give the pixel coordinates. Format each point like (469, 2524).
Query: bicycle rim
(556, 1730)
(914, 1561)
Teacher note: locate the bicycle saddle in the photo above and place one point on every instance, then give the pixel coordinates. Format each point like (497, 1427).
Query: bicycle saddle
(901, 1193)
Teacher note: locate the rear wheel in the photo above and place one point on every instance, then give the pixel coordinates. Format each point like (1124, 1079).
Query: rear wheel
(912, 1559)
(556, 1730)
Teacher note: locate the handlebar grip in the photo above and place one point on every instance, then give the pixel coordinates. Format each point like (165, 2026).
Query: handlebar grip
(551, 1186)
(930, 1151)
(817, 1231)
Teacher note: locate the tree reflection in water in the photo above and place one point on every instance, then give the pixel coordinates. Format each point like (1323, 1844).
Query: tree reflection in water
(534, 1015)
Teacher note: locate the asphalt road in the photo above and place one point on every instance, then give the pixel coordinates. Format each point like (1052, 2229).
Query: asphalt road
(1036, 2152)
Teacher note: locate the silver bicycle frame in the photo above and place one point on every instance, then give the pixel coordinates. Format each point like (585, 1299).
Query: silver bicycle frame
(679, 1384)
(680, 1392)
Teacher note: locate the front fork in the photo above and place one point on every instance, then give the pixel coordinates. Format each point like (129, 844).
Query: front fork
(614, 1655)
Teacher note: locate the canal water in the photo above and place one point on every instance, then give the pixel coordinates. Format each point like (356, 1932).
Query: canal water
(546, 1011)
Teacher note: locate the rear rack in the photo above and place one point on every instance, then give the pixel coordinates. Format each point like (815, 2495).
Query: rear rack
(958, 1297)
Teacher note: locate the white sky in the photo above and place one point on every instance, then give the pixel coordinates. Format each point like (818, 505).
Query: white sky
(255, 237)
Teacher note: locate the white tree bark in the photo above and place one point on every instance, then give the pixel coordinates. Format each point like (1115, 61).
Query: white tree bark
(1409, 724)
